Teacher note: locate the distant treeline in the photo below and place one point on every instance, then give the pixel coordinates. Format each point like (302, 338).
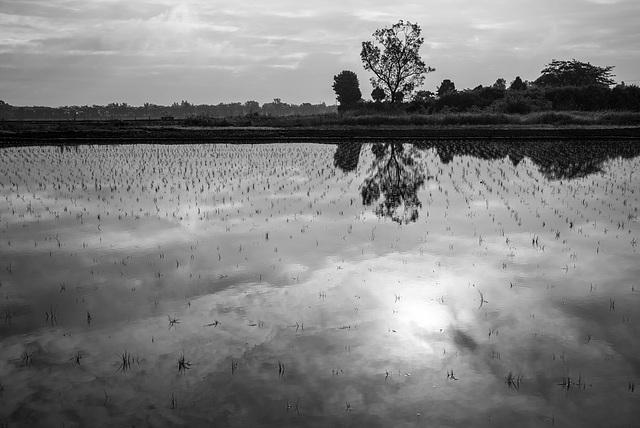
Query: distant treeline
(555, 159)
(562, 86)
(493, 99)
(180, 110)
(532, 99)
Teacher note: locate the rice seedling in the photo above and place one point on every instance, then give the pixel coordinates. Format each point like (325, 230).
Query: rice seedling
(513, 381)
(173, 321)
(52, 316)
(26, 358)
(126, 359)
(183, 365)
(281, 369)
(482, 301)
(7, 315)
(77, 357)
(174, 402)
(450, 375)
(291, 406)
(566, 383)
(297, 326)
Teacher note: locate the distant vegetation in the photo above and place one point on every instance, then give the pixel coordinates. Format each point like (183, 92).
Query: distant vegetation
(369, 117)
(398, 70)
(563, 86)
(395, 175)
(182, 110)
(566, 93)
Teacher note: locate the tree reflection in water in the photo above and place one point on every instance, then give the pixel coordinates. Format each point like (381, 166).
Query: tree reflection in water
(394, 179)
(555, 159)
(397, 172)
(347, 156)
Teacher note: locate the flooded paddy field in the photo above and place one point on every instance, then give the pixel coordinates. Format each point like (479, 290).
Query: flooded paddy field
(466, 283)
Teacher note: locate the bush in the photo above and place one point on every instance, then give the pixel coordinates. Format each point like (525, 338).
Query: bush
(521, 102)
(585, 98)
(559, 118)
(468, 100)
(625, 97)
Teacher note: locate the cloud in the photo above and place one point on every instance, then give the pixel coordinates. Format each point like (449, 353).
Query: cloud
(468, 42)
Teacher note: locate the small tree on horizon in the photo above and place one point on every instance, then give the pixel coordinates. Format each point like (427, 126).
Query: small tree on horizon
(445, 87)
(500, 84)
(395, 60)
(423, 96)
(517, 84)
(252, 106)
(574, 73)
(347, 89)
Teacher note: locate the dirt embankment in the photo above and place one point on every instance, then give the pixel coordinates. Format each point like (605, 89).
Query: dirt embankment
(69, 134)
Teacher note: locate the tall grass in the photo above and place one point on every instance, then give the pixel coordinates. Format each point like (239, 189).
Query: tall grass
(367, 118)
(557, 118)
(348, 119)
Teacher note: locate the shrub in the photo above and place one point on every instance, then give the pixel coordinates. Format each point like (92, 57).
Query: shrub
(521, 102)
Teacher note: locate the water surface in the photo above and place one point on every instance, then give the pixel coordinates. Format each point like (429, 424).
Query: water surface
(436, 284)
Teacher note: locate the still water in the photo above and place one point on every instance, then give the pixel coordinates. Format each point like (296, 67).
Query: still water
(430, 284)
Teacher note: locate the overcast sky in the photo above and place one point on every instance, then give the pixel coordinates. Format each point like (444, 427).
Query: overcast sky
(78, 52)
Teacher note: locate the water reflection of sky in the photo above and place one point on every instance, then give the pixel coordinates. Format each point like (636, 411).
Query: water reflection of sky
(502, 271)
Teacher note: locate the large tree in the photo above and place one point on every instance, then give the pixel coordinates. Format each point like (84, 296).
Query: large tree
(574, 73)
(395, 61)
(347, 89)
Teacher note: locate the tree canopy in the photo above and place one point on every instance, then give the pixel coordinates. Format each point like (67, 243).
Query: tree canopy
(517, 84)
(445, 87)
(574, 73)
(423, 96)
(347, 89)
(395, 61)
(500, 84)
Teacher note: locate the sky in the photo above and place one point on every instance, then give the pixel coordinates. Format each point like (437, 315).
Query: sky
(85, 52)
